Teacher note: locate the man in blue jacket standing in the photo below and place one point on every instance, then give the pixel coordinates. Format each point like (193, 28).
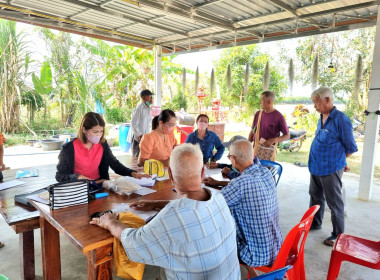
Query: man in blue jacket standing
(333, 143)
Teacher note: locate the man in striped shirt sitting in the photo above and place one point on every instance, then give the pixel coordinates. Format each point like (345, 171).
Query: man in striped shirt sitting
(192, 237)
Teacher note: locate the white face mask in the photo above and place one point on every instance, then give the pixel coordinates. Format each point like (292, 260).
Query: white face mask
(202, 125)
(94, 139)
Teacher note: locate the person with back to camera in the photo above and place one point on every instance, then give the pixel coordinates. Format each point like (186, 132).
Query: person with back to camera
(206, 139)
(193, 236)
(88, 156)
(159, 143)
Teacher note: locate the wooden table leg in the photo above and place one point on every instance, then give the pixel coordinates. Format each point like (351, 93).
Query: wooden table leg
(26, 245)
(99, 263)
(50, 247)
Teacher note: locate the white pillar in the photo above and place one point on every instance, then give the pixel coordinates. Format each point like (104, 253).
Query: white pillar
(157, 75)
(372, 123)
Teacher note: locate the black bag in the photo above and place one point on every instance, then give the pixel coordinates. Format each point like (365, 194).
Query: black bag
(68, 194)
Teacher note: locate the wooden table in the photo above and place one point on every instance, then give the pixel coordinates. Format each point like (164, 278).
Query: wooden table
(94, 242)
(23, 219)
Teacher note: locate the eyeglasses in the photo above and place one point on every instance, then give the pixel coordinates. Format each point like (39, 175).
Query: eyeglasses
(170, 125)
(229, 156)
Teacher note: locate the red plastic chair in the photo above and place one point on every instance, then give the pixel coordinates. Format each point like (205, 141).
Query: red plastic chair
(356, 250)
(292, 249)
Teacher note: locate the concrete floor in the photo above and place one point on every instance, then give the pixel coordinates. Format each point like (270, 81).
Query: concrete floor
(293, 196)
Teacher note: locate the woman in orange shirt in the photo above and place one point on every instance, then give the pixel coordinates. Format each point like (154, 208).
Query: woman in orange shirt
(159, 143)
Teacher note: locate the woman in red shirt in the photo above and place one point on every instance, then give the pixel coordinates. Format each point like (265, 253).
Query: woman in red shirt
(89, 156)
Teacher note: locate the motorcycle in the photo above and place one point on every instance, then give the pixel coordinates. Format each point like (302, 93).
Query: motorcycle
(294, 143)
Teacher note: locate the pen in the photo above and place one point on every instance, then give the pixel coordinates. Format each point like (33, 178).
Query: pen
(99, 195)
(209, 162)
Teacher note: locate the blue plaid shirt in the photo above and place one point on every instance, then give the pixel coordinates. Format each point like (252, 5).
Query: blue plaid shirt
(207, 144)
(333, 140)
(252, 199)
(191, 239)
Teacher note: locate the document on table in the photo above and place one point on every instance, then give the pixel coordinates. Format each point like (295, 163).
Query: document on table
(145, 215)
(145, 191)
(10, 184)
(212, 171)
(144, 182)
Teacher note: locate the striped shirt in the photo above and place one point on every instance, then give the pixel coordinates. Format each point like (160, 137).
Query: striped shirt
(191, 239)
(333, 140)
(252, 199)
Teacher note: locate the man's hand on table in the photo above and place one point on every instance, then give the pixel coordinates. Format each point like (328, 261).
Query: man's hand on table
(226, 170)
(213, 165)
(104, 221)
(109, 222)
(211, 182)
(148, 205)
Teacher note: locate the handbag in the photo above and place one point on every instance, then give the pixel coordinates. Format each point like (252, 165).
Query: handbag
(68, 194)
(153, 166)
(262, 152)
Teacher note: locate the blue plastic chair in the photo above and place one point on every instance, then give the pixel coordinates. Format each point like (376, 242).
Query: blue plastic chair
(278, 274)
(275, 168)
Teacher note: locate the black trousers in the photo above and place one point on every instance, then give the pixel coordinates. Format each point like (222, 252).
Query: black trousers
(328, 189)
(135, 148)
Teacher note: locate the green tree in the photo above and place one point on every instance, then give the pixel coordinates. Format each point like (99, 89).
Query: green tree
(238, 57)
(338, 55)
(14, 60)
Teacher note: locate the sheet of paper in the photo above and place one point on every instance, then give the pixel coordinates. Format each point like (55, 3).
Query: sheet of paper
(145, 191)
(144, 182)
(41, 197)
(163, 178)
(10, 184)
(145, 215)
(210, 172)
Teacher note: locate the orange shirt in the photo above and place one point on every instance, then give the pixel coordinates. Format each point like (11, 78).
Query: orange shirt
(152, 146)
(2, 139)
(86, 162)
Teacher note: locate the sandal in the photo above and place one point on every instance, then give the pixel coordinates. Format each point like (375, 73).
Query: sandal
(330, 241)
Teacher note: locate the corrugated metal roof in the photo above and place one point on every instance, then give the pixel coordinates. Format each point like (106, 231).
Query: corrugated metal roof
(189, 25)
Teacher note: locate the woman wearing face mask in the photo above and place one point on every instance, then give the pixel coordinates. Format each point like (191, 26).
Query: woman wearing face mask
(89, 156)
(159, 143)
(207, 140)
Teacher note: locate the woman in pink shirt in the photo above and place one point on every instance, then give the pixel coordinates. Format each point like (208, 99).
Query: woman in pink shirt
(89, 156)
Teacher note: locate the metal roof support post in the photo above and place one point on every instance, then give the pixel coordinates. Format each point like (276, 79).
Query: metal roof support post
(157, 74)
(372, 123)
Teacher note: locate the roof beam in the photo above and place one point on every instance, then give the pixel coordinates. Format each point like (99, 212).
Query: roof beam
(202, 5)
(56, 22)
(121, 15)
(287, 35)
(186, 12)
(281, 21)
(46, 23)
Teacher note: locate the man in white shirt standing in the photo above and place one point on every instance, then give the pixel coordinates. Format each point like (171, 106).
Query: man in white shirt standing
(141, 120)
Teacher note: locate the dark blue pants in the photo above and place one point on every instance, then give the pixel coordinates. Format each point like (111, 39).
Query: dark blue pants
(328, 189)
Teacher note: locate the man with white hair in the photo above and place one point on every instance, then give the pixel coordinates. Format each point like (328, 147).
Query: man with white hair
(252, 199)
(332, 144)
(192, 237)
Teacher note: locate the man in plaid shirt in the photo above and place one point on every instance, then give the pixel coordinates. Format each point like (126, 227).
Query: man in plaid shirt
(332, 144)
(252, 199)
